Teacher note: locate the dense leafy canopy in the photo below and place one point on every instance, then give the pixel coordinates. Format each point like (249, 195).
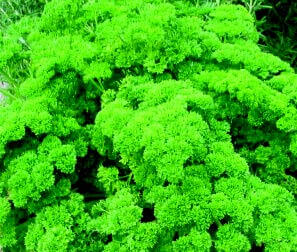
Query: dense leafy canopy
(146, 126)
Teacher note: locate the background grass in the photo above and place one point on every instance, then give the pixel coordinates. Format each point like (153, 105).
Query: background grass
(13, 10)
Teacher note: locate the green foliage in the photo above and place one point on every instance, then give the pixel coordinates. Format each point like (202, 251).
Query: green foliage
(145, 126)
(275, 20)
(279, 30)
(13, 10)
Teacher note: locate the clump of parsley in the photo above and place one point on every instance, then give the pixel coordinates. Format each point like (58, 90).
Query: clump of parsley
(145, 126)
